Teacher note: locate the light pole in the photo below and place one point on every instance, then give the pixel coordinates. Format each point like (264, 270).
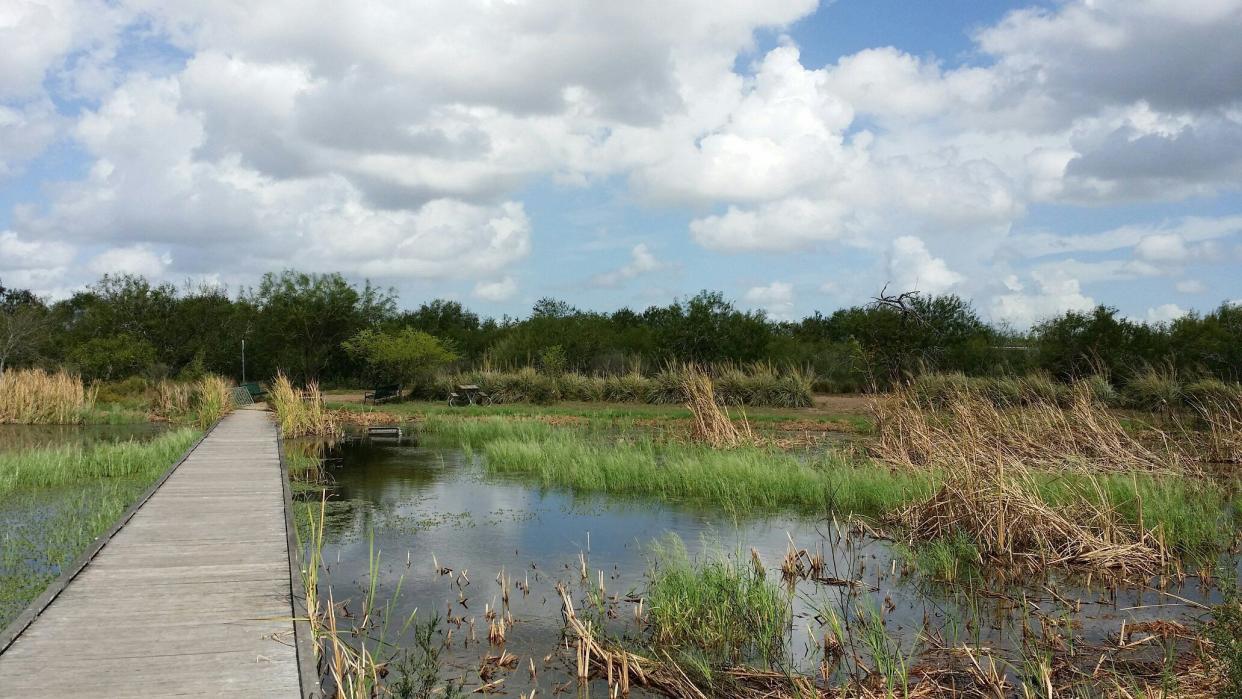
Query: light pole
(243, 360)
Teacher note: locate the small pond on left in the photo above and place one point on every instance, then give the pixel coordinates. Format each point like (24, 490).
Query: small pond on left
(43, 529)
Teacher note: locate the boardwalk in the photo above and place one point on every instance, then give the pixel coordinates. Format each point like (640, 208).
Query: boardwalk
(190, 597)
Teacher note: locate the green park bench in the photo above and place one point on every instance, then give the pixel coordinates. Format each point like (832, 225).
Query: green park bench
(254, 389)
(382, 393)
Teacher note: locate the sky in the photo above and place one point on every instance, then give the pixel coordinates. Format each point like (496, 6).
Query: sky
(1031, 157)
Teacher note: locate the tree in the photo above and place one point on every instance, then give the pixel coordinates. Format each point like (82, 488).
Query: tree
(112, 357)
(303, 319)
(408, 355)
(23, 323)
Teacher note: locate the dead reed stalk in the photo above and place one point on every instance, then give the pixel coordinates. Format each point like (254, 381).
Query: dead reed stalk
(710, 421)
(38, 397)
(972, 430)
(999, 510)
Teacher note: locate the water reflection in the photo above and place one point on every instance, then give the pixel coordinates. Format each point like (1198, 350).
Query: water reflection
(445, 530)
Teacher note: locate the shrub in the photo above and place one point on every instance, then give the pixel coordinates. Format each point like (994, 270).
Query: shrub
(1153, 389)
(1211, 393)
(1100, 389)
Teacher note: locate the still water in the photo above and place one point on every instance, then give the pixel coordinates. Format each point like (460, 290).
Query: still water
(446, 534)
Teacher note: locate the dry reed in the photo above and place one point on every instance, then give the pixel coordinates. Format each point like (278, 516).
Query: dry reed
(38, 397)
(302, 413)
(710, 422)
(972, 430)
(1000, 511)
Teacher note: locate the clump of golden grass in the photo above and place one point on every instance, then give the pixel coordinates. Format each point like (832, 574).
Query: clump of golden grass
(171, 400)
(999, 510)
(970, 429)
(302, 413)
(38, 397)
(202, 402)
(710, 422)
(1221, 415)
(214, 398)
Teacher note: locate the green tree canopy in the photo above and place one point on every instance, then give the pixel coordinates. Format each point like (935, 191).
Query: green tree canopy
(408, 356)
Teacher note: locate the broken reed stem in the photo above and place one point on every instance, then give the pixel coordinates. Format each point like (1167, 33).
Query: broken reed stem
(710, 422)
(972, 430)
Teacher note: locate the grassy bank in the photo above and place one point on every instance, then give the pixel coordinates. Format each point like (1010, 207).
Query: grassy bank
(1191, 517)
(621, 414)
(739, 480)
(61, 466)
(752, 385)
(55, 501)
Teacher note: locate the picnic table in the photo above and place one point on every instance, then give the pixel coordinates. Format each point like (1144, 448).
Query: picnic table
(468, 394)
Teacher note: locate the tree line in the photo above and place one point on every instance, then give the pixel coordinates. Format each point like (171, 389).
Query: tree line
(312, 326)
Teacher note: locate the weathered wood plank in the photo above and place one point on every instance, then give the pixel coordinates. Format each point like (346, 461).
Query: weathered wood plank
(190, 597)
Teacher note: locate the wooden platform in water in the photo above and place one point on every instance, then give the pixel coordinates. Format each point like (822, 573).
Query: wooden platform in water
(193, 595)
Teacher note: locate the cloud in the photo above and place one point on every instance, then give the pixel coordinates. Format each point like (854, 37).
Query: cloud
(501, 290)
(134, 259)
(1057, 293)
(380, 139)
(1165, 313)
(776, 299)
(641, 262)
(912, 268)
(1191, 286)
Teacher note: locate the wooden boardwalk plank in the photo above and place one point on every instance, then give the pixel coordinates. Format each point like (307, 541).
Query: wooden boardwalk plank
(190, 597)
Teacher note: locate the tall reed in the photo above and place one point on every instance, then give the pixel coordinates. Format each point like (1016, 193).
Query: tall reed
(301, 413)
(202, 402)
(38, 397)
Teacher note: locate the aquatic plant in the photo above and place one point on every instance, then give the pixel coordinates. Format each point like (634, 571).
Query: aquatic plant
(38, 397)
(739, 480)
(720, 608)
(55, 466)
(73, 495)
(301, 413)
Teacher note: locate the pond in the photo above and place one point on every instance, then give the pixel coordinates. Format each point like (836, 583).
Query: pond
(43, 529)
(447, 534)
(19, 437)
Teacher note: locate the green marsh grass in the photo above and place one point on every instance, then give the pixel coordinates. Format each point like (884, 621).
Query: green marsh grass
(606, 413)
(57, 466)
(1191, 515)
(55, 501)
(740, 480)
(720, 610)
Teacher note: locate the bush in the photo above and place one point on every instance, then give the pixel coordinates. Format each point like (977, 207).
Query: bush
(1153, 389)
(1211, 393)
(1100, 389)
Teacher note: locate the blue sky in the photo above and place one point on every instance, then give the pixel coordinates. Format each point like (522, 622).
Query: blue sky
(1033, 157)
